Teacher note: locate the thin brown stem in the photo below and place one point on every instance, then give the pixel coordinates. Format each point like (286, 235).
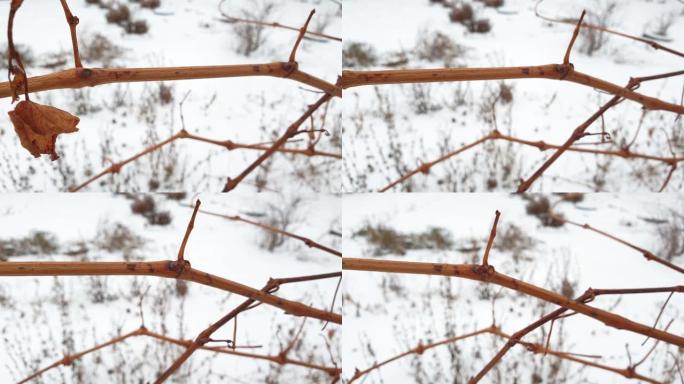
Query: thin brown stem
(541, 145)
(291, 130)
(419, 349)
(566, 58)
(490, 241)
(142, 331)
(73, 22)
(673, 168)
(191, 224)
(648, 255)
(648, 42)
(307, 241)
(182, 134)
(577, 134)
(300, 36)
(273, 24)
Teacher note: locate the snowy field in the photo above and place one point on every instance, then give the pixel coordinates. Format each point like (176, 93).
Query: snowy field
(386, 314)
(390, 129)
(120, 120)
(44, 318)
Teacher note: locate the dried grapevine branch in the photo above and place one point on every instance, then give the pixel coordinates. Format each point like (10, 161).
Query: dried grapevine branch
(307, 241)
(91, 77)
(142, 331)
(541, 145)
(565, 72)
(648, 255)
(473, 272)
(589, 295)
(271, 286)
(183, 134)
(165, 269)
(493, 330)
(292, 130)
(233, 19)
(651, 43)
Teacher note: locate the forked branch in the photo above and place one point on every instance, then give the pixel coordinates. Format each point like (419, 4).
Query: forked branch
(205, 336)
(470, 271)
(163, 269)
(549, 71)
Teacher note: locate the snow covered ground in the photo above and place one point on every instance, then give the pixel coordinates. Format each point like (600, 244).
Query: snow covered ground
(391, 129)
(386, 314)
(42, 318)
(120, 120)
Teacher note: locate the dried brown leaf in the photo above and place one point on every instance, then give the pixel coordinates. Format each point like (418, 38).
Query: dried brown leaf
(39, 125)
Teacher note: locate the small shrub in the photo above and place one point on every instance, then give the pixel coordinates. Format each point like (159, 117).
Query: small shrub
(396, 59)
(462, 13)
(118, 14)
(146, 207)
(176, 195)
(574, 197)
(152, 4)
(165, 94)
(138, 27)
(386, 240)
(540, 207)
(593, 39)
(479, 26)
(181, 287)
(117, 238)
(36, 243)
(280, 216)
(357, 54)
(493, 3)
(251, 36)
(160, 218)
(143, 206)
(98, 48)
(437, 46)
(670, 236)
(664, 23)
(568, 288)
(513, 239)
(98, 290)
(422, 99)
(505, 93)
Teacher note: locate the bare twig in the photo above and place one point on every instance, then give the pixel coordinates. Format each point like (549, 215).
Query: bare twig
(651, 43)
(307, 241)
(302, 31)
(273, 24)
(566, 58)
(183, 134)
(73, 22)
(191, 224)
(231, 183)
